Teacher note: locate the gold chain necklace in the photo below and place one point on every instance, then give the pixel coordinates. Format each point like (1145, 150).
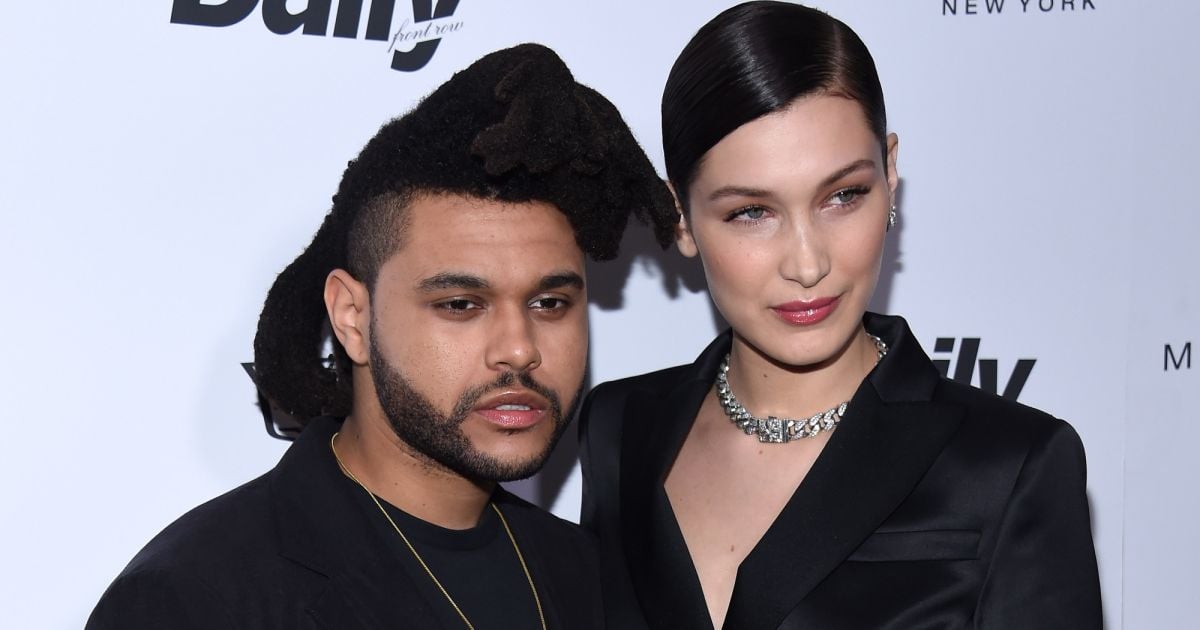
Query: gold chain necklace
(520, 558)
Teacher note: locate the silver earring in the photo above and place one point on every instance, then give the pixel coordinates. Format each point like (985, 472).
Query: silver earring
(891, 219)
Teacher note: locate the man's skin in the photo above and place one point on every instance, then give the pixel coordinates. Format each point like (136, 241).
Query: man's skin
(477, 289)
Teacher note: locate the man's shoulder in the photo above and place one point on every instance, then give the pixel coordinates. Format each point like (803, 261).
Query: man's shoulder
(191, 573)
(235, 526)
(561, 543)
(549, 530)
(562, 554)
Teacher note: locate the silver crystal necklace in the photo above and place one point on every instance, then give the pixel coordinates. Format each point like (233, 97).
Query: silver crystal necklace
(780, 430)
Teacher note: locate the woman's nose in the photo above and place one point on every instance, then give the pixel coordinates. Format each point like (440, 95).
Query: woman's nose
(805, 257)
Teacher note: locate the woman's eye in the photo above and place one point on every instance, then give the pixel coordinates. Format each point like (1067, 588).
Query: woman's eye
(749, 213)
(847, 196)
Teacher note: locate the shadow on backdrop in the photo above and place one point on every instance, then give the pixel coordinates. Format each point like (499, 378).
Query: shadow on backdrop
(606, 291)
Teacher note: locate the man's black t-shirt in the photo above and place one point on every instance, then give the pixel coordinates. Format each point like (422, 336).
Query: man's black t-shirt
(478, 567)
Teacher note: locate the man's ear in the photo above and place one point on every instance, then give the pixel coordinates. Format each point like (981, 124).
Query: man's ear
(348, 304)
(683, 233)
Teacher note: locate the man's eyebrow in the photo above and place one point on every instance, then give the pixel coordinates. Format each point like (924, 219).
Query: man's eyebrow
(451, 280)
(746, 191)
(559, 280)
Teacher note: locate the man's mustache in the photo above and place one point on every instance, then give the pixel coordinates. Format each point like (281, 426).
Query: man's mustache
(471, 397)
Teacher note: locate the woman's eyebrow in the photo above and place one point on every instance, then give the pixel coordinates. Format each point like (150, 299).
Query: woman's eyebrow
(856, 165)
(747, 191)
(737, 191)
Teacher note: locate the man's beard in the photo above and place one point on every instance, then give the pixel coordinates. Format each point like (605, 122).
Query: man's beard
(439, 437)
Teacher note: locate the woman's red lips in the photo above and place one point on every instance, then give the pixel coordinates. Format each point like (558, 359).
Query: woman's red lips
(806, 312)
(513, 409)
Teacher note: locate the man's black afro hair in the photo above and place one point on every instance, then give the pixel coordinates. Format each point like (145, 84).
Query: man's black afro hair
(514, 126)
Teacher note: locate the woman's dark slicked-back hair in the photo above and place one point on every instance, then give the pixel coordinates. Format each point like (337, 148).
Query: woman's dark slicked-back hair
(515, 126)
(754, 59)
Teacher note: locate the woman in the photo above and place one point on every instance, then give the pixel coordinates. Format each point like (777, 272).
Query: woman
(812, 469)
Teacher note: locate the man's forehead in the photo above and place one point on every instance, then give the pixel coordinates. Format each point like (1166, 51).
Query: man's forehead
(493, 241)
(442, 215)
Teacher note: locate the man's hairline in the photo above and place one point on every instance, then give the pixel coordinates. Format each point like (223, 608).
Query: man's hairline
(401, 221)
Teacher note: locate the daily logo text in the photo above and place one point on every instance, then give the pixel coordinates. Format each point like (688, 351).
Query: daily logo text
(423, 32)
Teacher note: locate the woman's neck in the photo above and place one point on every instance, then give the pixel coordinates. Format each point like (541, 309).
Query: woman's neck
(769, 388)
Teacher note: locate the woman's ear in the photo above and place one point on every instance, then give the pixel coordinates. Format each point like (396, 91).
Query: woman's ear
(683, 233)
(348, 304)
(893, 176)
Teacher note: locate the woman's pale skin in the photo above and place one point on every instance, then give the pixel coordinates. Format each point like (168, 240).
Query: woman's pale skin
(789, 207)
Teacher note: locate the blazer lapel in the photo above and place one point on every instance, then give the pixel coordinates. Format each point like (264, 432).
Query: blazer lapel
(889, 438)
(656, 425)
(324, 529)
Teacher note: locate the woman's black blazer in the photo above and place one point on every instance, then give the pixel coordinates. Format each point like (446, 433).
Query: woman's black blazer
(934, 505)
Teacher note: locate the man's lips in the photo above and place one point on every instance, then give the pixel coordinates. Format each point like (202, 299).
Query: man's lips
(806, 312)
(514, 409)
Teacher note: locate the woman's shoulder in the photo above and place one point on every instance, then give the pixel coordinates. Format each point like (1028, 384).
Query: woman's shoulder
(655, 381)
(1006, 420)
(603, 411)
(661, 382)
(610, 397)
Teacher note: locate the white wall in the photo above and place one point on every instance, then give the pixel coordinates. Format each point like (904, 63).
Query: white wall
(156, 177)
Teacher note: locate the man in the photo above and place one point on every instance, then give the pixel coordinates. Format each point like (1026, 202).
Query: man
(450, 272)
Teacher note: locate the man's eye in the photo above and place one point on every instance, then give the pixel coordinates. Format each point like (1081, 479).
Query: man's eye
(549, 303)
(458, 305)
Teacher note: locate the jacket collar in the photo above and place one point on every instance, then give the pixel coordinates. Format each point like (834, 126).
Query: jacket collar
(655, 427)
(890, 436)
(323, 528)
(906, 374)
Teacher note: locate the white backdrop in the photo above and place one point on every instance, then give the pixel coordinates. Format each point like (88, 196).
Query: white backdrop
(156, 177)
